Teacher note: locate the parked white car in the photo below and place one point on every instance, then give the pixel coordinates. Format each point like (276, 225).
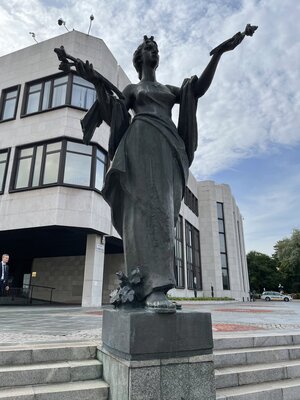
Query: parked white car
(268, 296)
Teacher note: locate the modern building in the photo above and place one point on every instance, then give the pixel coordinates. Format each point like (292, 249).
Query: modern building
(54, 222)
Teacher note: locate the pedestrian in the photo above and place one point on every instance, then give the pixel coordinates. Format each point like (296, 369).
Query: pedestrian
(4, 274)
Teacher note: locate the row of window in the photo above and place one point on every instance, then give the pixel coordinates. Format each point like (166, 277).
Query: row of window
(46, 94)
(191, 201)
(59, 162)
(194, 276)
(193, 257)
(223, 247)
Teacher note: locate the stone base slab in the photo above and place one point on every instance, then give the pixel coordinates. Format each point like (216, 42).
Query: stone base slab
(142, 335)
(186, 378)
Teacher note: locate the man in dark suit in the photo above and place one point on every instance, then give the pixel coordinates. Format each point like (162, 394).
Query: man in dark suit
(4, 272)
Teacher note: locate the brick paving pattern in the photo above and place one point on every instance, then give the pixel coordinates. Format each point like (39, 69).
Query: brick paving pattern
(64, 324)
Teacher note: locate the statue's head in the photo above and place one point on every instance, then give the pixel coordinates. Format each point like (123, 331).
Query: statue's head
(147, 52)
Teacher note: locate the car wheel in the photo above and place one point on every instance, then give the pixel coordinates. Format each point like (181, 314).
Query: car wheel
(267, 299)
(286, 299)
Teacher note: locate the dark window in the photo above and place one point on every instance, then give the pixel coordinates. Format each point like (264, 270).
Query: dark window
(58, 91)
(241, 253)
(223, 247)
(4, 157)
(220, 211)
(178, 262)
(9, 103)
(191, 201)
(193, 262)
(62, 162)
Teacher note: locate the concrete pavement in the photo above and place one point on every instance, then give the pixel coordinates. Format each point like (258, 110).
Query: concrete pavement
(39, 324)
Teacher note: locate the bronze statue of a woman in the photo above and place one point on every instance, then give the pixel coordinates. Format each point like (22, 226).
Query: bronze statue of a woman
(150, 160)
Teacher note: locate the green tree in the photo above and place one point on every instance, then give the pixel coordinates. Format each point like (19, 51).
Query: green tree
(287, 254)
(263, 272)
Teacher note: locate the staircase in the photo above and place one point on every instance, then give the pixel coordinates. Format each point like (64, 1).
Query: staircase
(51, 372)
(258, 368)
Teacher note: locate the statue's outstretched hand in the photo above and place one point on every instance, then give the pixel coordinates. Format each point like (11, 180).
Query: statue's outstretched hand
(232, 43)
(86, 71)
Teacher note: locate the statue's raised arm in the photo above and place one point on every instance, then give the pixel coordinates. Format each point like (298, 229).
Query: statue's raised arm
(231, 43)
(109, 98)
(206, 77)
(85, 70)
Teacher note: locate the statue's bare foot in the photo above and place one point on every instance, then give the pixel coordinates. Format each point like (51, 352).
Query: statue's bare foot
(158, 302)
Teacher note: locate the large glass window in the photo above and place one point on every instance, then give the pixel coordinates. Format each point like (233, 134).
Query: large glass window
(193, 257)
(223, 247)
(51, 162)
(33, 101)
(61, 162)
(178, 261)
(24, 168)
(4, 156)
(58, 91)
(46, 94)
(83, 93)
(9, 102)
(78, 164)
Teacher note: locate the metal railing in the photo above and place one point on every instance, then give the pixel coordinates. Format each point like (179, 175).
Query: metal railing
(26, 293)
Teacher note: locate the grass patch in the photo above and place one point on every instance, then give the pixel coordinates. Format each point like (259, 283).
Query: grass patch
(200, 298)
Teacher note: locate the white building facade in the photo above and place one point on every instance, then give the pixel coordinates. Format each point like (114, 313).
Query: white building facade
(54, 222)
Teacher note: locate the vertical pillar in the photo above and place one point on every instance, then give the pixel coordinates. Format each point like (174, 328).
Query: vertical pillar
(93, 272)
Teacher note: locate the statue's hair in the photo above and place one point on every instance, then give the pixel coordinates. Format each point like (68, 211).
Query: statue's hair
(137, 55)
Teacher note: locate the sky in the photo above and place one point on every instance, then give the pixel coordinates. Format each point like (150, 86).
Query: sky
(248, 121)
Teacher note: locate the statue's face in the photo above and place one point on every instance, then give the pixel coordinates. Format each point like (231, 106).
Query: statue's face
(150, 54)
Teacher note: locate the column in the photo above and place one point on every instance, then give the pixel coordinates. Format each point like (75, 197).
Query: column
(93, 271)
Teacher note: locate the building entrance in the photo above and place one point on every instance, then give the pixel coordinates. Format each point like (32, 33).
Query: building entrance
(46, 264)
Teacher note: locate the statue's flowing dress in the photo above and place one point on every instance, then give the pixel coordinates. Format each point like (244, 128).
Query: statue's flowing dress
(144, 187)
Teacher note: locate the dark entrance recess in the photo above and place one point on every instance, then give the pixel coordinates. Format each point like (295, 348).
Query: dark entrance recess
(23, 245)
(26, 244)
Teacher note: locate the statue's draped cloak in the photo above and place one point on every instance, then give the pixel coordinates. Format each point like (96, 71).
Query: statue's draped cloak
(146, 180)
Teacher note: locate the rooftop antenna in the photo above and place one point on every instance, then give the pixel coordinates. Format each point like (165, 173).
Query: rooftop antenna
(91, 20)
(33, 36)
(62, 22)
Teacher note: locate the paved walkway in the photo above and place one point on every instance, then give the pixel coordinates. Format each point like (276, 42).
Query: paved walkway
(38, 324)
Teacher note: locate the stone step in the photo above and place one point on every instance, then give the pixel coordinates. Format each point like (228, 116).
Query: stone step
(88, 390)
(44, 373)
(254, 355)
(249, 374)
(28, 354)
(259, 340)
(288, 389)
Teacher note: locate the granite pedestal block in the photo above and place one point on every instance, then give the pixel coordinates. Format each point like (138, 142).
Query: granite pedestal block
(149, 356)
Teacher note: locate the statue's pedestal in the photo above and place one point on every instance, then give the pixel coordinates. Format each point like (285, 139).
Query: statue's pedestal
(149, 356)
